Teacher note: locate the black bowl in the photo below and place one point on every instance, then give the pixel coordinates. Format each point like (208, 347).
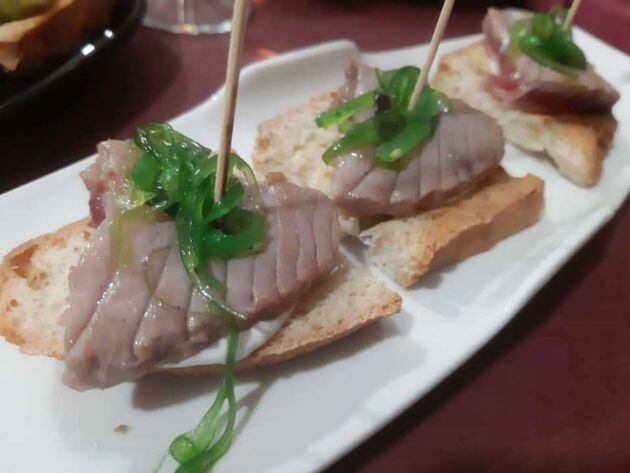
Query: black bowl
(15, 92)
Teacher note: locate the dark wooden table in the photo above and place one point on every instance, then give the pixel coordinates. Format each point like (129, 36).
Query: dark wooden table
(550, 393)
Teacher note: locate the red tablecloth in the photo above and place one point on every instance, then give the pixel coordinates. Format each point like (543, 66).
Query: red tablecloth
(550, 393)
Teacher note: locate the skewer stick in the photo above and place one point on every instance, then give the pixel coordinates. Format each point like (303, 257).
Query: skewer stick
(571, 15)
(231, 89)
(440, 26)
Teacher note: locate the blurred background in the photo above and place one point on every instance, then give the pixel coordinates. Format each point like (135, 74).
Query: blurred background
(155, 75)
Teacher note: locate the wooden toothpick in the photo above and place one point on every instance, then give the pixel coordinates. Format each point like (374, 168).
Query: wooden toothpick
(231, 90)
(571, 15)
(440, 26)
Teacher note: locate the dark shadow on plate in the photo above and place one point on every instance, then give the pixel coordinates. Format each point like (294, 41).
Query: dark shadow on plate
(150, 395)
(540, 308)
(354, 249)
(344, 348)
(159, 390)
(156, 391)
(434, 278)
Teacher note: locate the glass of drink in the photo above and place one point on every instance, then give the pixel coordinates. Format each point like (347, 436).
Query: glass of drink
(191, 16)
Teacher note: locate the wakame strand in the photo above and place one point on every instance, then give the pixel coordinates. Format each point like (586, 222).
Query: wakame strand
(341, 114)
(392, 130)
(195, 451)
(175, 175)
(543, 40)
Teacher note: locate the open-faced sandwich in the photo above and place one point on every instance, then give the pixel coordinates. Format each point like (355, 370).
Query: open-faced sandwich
(421, 188)
(34, 32)
(530, 76)
(162, 277)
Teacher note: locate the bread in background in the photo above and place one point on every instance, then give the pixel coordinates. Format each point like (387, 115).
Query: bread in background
(31, 43)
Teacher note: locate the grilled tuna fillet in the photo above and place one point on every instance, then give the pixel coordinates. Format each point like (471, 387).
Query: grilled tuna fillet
(124, 319)
(528, 85)
(465, 148)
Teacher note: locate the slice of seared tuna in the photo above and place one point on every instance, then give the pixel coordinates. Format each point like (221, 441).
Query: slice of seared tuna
(527, 85)
(125, 317)
(465, 148)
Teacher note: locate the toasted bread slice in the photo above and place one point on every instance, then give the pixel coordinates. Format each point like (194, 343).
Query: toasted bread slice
(34, 288)
(405, 248)
(576, 144)
(30, 43)
(291, 143)
(408, 248)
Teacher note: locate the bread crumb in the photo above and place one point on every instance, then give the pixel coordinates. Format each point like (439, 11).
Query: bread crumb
(122, 429)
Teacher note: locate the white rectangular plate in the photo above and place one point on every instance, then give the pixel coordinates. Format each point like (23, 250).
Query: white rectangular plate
(304, 414)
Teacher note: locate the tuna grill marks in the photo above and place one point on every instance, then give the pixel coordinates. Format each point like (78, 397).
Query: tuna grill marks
(123, 320)
(527, 85)
(465, 148)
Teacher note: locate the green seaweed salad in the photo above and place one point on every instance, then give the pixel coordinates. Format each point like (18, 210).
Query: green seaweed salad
(174, 175)
(392, 130)
(543, 39)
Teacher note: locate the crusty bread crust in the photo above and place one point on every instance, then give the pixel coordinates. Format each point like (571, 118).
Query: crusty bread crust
(405, 248)
(34, 288)
(408, 248)
(30, 43)
(577, 144)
